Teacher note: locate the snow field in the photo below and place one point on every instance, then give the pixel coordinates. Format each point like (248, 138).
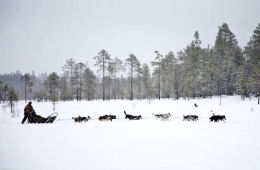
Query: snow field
(144, 144)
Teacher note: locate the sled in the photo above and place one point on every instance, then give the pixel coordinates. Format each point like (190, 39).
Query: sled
(32, 118)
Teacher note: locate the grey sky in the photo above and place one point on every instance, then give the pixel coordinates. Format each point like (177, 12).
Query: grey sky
(40, 35)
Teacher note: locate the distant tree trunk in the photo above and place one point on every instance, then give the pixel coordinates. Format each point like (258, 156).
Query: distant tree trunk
(177, 91)
(80, 88)
(103, 79)
(147, 93)
(258, 94)
(11, 103)
(25, 97)
(5, 93)
(220, 98)
(210, 93)
(109, 86)
(158, 63)
(159, 81)
(115, 87)
(77, 87)
(131, 86)
(139, 86)
(53, 106)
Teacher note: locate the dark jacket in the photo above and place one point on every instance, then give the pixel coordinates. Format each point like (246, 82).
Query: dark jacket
(28, 109)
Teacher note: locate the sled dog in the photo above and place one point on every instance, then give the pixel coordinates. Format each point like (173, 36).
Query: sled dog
(132, 117)
(163, 116)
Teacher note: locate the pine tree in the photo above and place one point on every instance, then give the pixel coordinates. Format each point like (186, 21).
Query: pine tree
(197, 40)
(157, 70)
(139, 72)
(1, 91)
(52, 83)
(168, 64)
(64, 90)
(111, 72)
(146, 79)
(90, 84)
(12, 97)
(177, 79)
(77, 79)
(68, 71)
(252, 54)
(26, 78)
(102, 60)
(242, 82)
(228, 58)
(192, 64)
(206, 81)
(118, 67)
(132, 63)
(69, 67)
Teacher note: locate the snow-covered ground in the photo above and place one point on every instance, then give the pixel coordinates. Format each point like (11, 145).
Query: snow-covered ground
(144, 144)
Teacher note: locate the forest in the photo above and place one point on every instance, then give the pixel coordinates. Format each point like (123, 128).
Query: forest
(194, 72)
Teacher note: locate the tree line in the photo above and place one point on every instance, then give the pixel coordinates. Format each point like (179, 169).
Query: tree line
(195, 71)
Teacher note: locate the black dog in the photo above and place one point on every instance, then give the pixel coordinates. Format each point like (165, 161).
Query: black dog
(217, 118)
(190, 117)
(112, 116)
(132, 117)
(80, 119)
(107, 117)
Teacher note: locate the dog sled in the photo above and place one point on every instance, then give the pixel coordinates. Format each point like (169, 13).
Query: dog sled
(33, 118)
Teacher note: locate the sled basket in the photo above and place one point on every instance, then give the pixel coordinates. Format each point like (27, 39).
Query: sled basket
(32, 118)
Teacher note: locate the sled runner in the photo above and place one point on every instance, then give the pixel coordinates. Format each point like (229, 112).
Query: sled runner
(33, 118)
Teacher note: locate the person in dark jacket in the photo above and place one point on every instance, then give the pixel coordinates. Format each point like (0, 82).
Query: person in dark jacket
(27, 111)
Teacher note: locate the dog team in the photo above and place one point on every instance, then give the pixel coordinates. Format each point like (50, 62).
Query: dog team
(214, 118)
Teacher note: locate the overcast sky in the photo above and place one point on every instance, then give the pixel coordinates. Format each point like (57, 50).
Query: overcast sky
(40, 35)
